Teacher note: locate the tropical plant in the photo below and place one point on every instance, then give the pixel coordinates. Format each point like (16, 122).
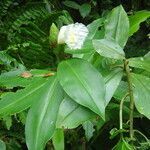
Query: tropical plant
(90, 86)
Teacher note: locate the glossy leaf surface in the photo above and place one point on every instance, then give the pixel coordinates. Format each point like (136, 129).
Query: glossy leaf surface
(83, 83)
(117, 26)
(140, 62)
(22, 99)
(93, 27)
(137, 19)
(42, 116)
(69, 112)
(112, 82)
(141, 91)
(108, 48)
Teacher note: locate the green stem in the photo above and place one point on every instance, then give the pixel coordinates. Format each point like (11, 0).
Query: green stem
(121, 108)
(127, 69)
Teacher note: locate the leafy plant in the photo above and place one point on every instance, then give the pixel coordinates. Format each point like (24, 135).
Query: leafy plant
(84, 89)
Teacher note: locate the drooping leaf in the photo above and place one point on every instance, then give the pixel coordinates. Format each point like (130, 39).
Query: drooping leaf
(42, 116)
(2, 145)
(89, 129)
(71, 4)
(68, 114)
(141, 91)
(85, 9)
(83, 83)
(112, 82)
(108, 48)
(93, 27)
(117, 26)
(11, 103)
(140, 62)
(136, 19)
(58, 139)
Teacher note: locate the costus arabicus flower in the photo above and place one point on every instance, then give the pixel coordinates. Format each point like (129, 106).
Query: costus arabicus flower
(73, 35)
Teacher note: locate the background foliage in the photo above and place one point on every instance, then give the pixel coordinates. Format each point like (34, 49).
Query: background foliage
(27, 43)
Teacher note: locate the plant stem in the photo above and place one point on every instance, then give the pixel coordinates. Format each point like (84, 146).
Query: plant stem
(121, 108)
(127, 69)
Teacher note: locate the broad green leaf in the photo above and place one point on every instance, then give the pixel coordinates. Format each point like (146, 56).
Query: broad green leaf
(141, 91)
(10, 79)
(112, 82)
(108, 48)
(2, 145)
(89, 129)
(58, 139)
(136, 19)
(122, 145)
(117, 26)
(69, 112)
(140, 62)
(41, 119)
(83, 83)
(93, 27)
(71, 4)
(85, 9)
(11, 103)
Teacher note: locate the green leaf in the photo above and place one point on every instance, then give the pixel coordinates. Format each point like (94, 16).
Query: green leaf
(53, 34)
(122, 145)
(83, 83)
(140, 62)
(8, 121)
(2, 145)
(136, 19)
(89, 129)
(68, 113)
(117, 26)
(109, 48)
(58, 139)
(141, 91)
(85, 9)
(71, 4)
(41, 119)
(11, 103)
(112, 82)
(5, 59)
(10, 80)
(93, 27)
(121, 90)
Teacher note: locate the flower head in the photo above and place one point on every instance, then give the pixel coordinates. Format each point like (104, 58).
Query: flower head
(73, 35)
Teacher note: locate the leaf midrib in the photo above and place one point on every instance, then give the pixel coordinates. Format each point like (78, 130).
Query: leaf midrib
(49, 94)
(83, 85)
(9, 105)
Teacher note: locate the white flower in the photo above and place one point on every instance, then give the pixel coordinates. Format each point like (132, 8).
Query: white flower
(73, 35)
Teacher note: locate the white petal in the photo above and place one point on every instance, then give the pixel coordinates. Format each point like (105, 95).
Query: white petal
(62, 35)
(73, 35)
